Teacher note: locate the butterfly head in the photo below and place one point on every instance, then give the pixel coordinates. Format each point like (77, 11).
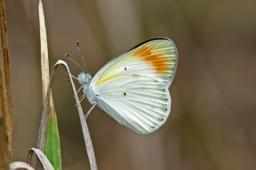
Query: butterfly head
(84, 78)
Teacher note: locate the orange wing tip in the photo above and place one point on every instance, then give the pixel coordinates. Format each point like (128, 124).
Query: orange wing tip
(159, 61)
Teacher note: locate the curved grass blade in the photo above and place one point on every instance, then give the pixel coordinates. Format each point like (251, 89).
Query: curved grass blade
(20, 165)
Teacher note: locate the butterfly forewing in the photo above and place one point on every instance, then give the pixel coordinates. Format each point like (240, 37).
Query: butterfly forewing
(133, 88)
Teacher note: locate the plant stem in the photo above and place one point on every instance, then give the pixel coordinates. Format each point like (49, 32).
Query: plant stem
(45, 77)
(5, 95)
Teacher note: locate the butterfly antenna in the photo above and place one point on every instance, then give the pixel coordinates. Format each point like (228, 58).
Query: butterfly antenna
(73, 61)
(81, 55)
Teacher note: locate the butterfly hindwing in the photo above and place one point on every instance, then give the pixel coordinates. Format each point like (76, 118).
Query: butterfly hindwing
(133, 88)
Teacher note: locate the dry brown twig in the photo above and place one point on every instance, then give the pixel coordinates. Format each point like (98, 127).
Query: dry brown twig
(5, 94)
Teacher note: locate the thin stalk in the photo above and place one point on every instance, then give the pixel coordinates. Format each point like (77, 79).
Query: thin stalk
(48, 137)
(5, 94)
(45, 77)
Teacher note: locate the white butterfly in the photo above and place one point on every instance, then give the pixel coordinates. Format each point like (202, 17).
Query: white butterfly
(133, 88)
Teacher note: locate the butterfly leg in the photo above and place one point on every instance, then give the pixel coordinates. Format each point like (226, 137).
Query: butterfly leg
(81, 98)
(89, 111)
(74, 77)
(79, 89)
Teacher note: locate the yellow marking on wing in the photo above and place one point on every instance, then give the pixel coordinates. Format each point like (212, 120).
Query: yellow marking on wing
(158, 61)
(101, 81)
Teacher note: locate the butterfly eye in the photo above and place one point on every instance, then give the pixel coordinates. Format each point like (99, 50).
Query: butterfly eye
(125, 68)
(124, 93)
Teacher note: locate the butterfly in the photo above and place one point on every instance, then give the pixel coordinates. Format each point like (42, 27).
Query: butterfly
(133, 88)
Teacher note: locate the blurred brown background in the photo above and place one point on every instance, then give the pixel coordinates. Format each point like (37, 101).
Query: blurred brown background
(212, 126)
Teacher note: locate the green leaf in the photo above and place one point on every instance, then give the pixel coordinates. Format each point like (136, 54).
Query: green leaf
(53, 146)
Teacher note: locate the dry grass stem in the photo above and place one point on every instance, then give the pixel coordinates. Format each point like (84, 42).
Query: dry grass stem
(45, 77)
(5, 94)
